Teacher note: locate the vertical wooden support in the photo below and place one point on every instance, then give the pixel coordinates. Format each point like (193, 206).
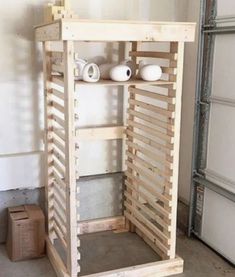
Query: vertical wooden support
(70, 176)
(179, 48)
(47, 65)
(135, 46)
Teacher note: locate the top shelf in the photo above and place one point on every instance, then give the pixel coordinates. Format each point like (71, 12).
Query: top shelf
(107, 30)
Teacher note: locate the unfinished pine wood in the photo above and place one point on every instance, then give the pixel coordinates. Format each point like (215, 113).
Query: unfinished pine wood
(179, 48)
(103, 224)
(70, 177)
(103, 133)
(93, 30)
(152, 138)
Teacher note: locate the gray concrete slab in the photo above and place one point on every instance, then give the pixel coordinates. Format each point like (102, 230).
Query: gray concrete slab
(200, 261)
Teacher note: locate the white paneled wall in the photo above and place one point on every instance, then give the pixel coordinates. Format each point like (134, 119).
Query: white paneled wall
(21, 92)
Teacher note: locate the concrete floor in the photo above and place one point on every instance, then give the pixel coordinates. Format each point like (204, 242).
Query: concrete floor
(200, 261)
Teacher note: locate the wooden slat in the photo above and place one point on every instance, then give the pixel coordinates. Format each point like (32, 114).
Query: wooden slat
(167, 149)
(59, 168)
(59, 81)
(149, 212)
(163, 238)
(150, 188)
(60, 236)
(147, 232)
(159, 55)
(59, 223)
(152, 108)
(150, 154)
(149, 167)
(169, 70)
(59, 181)
(151, 131)
(60, 208)
(58, 120)
(152, 95)
(59, 156)
(59, 133)
(152, 202)
(152, 120)
(58, 107)
(60, 193)
(58, 144)
(58, 94)
(58, 68)
(144, 174)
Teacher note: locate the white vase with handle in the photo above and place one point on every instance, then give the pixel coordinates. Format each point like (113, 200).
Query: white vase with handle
(88, 72)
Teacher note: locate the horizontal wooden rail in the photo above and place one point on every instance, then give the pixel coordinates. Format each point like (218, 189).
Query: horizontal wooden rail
(153, 120)
(152, 108)
(142, 172)
(147, 232)
(58, 94)
(150, 154)
(100, 133)
(151, 214)
(151, 131)
(153, 95)
(163, 238)
(153, 169)
(166, 149)
(149, 54)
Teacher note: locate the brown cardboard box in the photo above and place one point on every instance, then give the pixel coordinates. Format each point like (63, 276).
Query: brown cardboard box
(26, 232)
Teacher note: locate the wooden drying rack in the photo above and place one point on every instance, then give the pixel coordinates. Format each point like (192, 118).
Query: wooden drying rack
(152, 137)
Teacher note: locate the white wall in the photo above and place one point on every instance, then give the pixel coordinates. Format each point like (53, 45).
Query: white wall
(189, 84)
(21, 92)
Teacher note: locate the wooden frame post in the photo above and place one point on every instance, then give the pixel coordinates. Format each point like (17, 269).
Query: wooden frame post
(70, 176)
(176, 47)
(47, 68)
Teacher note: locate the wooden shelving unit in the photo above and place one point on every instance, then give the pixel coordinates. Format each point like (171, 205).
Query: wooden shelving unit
(151, 136)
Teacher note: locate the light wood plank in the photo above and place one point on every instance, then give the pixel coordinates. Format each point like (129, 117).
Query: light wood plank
(156, 121)
(103, 224)
(163, 239)
(152, 95)
(159, 55)
(152, 202)
(152, 108)
(147, 232)
(151, 131)
(150, 154)
(70, 177)
(100, 133)
(167, 149)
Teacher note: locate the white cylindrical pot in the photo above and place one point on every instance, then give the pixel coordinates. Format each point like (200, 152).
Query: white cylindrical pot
(120, 73)
(150, 72)
(105, 70)
(91, 73)
(130, 64)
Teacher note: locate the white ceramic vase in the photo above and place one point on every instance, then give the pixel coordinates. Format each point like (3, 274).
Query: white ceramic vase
(130, 64)
(149, 72)
(88, 72)
(120, 73)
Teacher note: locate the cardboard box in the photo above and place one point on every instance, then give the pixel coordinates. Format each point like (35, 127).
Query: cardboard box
(26, 232)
